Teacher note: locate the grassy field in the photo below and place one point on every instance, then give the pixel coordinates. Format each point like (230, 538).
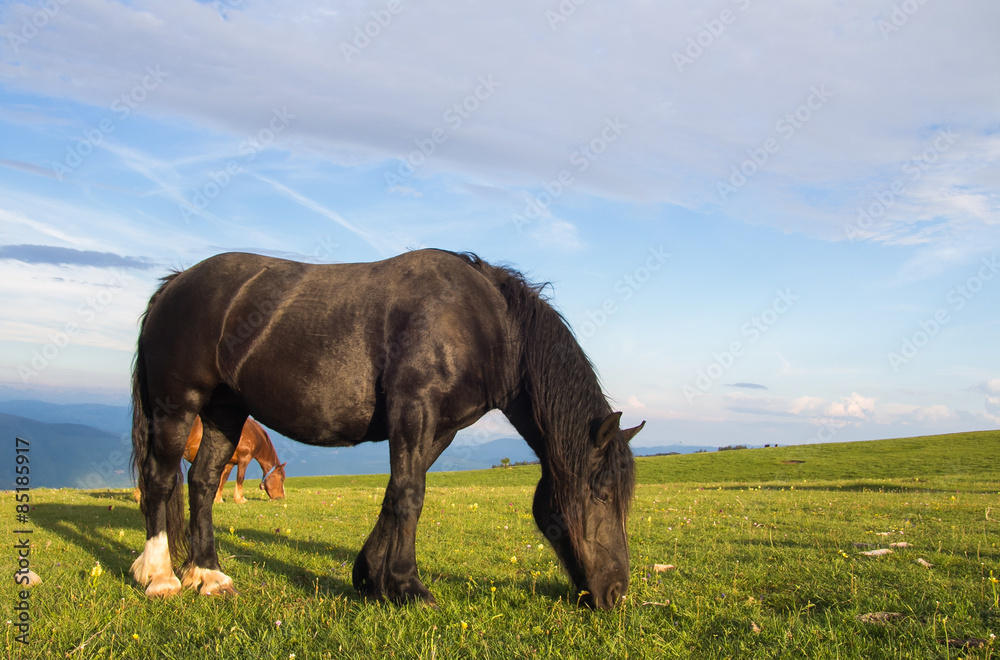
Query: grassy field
(765, 546)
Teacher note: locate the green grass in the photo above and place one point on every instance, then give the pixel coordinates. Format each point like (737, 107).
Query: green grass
(764, 550)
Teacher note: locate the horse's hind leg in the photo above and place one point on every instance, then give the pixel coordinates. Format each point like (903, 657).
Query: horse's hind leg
(241, 472)
(223, 421)
(223, 480)
(161, 476)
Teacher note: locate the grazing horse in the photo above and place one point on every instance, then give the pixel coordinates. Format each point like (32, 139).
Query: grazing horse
(410, 350)
(254, 443)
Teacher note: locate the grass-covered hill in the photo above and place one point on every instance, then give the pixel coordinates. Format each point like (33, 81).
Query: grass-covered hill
(974, 455)
(765, 549)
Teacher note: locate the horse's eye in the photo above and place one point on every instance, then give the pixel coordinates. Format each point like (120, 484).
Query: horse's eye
(601, 497)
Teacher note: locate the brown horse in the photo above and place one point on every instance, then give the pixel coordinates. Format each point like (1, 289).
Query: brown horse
(254, 443)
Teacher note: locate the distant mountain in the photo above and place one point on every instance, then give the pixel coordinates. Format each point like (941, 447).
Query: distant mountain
(66, 455)
(86, 446)
(373, 457)
(670, 449)
(115, 419)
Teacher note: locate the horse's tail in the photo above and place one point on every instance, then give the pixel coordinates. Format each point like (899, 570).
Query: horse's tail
(142, 420)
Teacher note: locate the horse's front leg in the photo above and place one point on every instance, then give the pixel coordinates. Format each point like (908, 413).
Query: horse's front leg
(387, 565)
(202, 570)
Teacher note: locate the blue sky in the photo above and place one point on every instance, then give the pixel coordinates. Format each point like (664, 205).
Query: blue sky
(766, 222)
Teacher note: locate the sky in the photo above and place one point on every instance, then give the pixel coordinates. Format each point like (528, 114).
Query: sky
(767, 223)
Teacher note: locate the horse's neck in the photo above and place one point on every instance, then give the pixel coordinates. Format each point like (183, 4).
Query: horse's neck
(565, 394)
(264, 451)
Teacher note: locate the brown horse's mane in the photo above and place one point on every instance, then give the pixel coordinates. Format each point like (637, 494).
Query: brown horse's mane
(265, 450)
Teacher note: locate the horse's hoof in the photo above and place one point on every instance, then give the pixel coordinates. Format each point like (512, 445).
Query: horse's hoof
(152, 566)
(220, 590)
(164, 587)
(415, 595)
(208, 582)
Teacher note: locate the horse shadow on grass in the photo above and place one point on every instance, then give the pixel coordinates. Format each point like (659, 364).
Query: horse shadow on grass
(111, 495)
(95, 528)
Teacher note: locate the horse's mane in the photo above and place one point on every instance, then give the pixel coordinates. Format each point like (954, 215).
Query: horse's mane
(567, 400)
(267, 450)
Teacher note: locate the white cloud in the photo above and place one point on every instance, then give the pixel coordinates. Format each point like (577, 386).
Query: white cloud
(855, 406)
(557, 87)
(635, 404)
(933, 413)
(991, 388)
(557, 234)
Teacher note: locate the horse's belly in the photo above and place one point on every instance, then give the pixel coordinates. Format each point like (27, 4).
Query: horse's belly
(336, 410)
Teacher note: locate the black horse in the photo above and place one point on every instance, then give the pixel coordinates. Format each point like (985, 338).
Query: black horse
(411, 349)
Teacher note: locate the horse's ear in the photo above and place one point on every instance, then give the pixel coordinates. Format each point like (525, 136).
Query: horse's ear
(630, 433)
(282, 466)
(607, 430)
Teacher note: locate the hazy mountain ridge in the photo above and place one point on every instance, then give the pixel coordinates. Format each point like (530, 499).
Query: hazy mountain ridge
(88, 446)
(66, 455)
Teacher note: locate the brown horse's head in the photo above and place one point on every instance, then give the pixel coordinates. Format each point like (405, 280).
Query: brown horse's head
(273, 482)
(582, 510)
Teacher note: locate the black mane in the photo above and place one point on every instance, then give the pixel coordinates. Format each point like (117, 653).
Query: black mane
(567, 400)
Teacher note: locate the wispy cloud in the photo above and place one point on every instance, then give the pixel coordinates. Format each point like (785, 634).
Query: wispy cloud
(381, 244)
(27, 167)
(687, 129)
(61, 256)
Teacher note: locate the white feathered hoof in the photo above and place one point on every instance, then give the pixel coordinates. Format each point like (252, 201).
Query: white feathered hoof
(164, 587)
(153, 568)
(208, 582)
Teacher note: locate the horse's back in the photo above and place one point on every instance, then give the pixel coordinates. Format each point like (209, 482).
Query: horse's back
(313, 349)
